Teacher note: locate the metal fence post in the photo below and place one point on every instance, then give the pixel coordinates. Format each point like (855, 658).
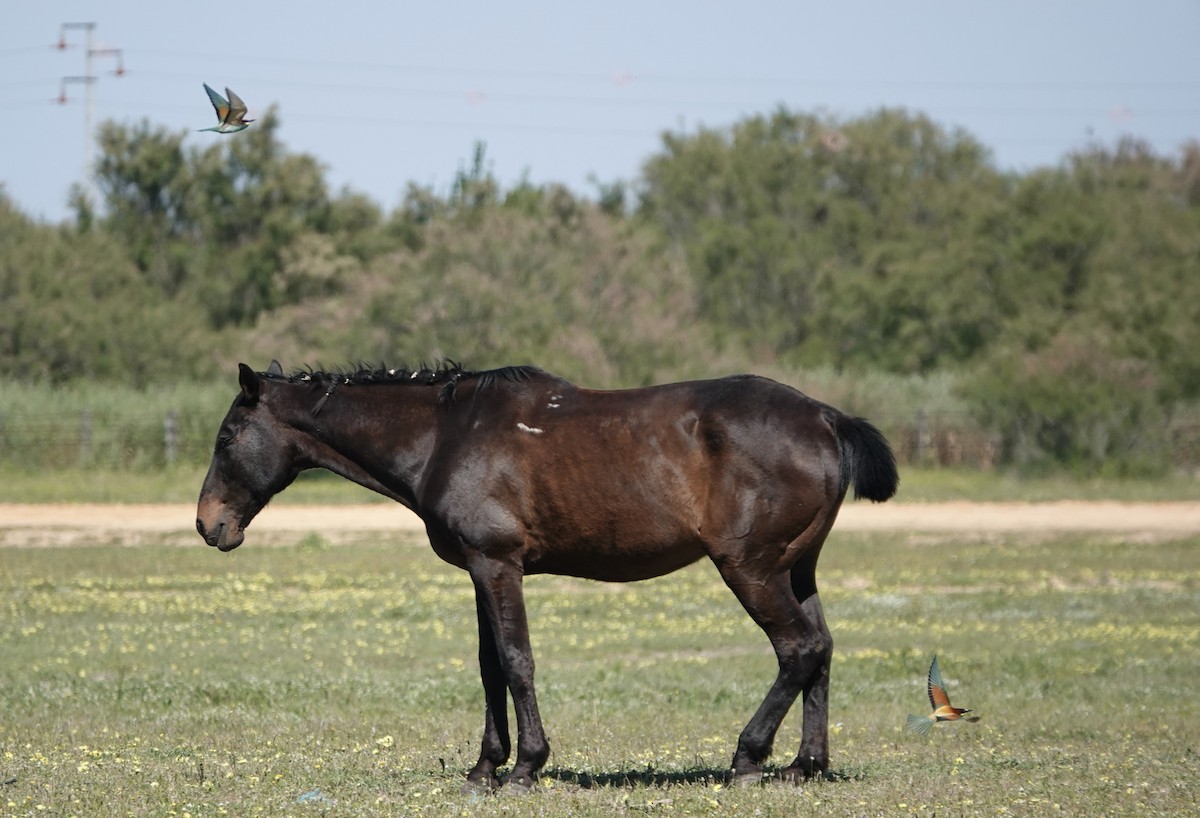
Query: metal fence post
(171, 436)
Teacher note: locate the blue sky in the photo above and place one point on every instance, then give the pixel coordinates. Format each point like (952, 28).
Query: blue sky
(387, 93)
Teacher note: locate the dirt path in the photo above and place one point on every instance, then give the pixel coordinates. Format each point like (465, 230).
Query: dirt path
(31, 525)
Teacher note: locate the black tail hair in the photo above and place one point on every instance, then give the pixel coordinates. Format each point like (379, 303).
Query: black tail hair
(867, 460)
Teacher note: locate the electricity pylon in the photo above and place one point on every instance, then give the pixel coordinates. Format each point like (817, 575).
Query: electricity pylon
(88, 80)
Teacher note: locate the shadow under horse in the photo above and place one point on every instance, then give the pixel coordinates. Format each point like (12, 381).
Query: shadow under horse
(515, 471)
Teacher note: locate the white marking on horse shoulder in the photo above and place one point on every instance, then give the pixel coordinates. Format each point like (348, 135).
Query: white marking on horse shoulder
(530, 429)
(554, 402)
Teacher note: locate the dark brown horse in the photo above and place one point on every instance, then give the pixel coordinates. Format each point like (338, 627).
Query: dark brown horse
(515, 471)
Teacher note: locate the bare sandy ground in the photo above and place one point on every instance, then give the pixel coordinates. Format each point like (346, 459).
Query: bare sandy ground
(48, 525)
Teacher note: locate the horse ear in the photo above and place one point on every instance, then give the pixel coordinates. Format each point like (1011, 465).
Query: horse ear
(275, 368)
(249, 381)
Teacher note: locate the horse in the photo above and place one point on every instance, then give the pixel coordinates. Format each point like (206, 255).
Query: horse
(515, 471)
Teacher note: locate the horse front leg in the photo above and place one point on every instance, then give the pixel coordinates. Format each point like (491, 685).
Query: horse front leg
(496, 743)
(501, 602)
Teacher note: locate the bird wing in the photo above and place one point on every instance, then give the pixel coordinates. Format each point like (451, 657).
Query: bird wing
(218, 102)
(919, 724)
(236, 107)
(937, 688)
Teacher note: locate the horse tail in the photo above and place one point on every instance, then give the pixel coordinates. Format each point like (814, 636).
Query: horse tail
(867, 460)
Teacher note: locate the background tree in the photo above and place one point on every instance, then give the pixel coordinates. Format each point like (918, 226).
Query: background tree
(143, 180)
(542, 277)
(76, 306)
(1062, 301)
(249, 201)
(1099, 352)
(816, 240)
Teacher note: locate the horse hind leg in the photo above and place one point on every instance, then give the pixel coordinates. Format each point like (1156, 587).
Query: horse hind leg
(813, 756)
(802, 647)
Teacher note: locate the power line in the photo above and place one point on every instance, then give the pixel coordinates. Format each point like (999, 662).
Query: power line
(631, 77)
(21, 50)
(351, 90)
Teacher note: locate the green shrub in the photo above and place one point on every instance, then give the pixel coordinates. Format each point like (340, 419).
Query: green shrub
(1072, 404)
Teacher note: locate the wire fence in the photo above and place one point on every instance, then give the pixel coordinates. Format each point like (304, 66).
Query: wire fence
(151, 440)
(51, 440)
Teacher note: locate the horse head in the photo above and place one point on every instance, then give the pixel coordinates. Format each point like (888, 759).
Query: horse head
(252, 462)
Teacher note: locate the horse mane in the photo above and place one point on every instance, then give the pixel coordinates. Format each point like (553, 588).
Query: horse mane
(361, 374)
(447, 373)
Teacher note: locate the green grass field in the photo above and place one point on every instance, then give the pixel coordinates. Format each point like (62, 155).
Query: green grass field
(317, 680)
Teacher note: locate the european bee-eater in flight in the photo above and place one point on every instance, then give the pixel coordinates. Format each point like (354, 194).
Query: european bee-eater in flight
(231, 113)
(942, 709)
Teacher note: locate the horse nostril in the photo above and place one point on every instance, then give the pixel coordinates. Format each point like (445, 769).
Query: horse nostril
(200, 528)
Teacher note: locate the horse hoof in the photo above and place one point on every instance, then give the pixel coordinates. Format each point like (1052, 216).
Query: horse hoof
(479, 786)
(800, 775)
(791, 777)
(518, 785)
(752, 778)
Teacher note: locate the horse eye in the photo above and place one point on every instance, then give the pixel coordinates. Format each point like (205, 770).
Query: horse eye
(223, 442)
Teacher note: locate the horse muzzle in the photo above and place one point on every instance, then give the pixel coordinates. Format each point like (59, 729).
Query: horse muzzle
(221, 536)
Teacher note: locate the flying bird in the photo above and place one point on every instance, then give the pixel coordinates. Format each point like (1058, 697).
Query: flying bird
(942, 709)
(231, 113)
